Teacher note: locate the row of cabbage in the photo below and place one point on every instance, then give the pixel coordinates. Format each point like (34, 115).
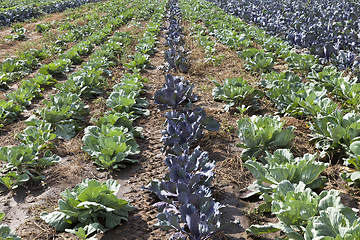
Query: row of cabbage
(22, 11)
(303, 214)
(65, 108)
(13, 69)
(16, 68)
(110, 142)
(176, 56)
(328, 29)
(186, 205)
(318, 97)
(62, 113)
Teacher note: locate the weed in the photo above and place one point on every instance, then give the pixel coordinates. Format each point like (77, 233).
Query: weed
(227, 129)
(205, 88)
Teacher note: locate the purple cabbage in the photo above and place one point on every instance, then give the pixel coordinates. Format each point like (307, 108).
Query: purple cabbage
(176, 56)
(177, 59)
(186, 205)
(186, 197)
(184, 128)
(201, 221)
(174, 34)
(175, 92)
(177, 137)
(326, 28)
(186, 173)
(197, 114)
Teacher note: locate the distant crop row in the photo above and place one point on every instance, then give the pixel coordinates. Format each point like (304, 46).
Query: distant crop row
(15, 68)
(25, 11)
(328, 29)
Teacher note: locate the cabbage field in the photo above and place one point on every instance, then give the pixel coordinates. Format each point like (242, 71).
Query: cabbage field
(180, 120)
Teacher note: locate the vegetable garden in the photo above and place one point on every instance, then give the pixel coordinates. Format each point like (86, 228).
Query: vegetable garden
(179, 120)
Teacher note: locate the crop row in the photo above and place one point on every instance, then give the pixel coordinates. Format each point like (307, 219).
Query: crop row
(327, 29)
(176, 55)
(263, 138)
(16, 68)
(109, 143)
(334, 126)
(286, 89)
(23, 12)
(29, 89)
(112, 140)
(186, 205)
(59, 118)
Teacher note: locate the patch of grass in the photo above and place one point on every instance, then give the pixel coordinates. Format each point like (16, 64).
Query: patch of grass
(100, 102)
(205, 89)
(99, 108)
(214, 60)
(73, 146)
(52, 36)
(23, 47)
(47, 38)
(256, 216)
(227, 129)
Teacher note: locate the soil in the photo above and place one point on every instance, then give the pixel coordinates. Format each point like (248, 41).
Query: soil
(24, 205)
